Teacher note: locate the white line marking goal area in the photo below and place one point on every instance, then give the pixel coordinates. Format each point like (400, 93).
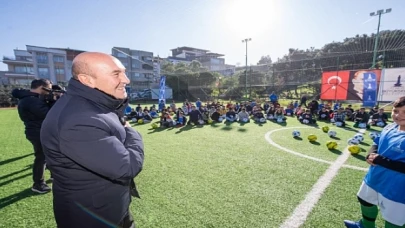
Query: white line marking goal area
(301, 212)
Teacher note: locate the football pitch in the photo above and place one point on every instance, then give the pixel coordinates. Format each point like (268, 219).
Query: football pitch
(219, 175)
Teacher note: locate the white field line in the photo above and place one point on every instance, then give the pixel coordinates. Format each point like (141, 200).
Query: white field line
(301, 212)
(269, 140)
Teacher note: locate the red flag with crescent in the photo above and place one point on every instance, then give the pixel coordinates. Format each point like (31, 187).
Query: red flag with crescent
(335, 85)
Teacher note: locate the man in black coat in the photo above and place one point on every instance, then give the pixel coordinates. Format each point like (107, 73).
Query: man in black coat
(92, 152)
(32, 109)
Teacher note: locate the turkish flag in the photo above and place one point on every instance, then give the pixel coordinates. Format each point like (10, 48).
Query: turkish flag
(334, 85)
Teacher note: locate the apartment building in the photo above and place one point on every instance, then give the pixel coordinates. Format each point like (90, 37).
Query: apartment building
(54, 64)
(139, 66)
(212, 61)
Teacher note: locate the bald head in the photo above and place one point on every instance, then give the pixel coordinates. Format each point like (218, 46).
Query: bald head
(85, 63)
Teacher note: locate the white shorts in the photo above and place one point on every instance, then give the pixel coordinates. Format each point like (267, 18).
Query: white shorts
(391, 211)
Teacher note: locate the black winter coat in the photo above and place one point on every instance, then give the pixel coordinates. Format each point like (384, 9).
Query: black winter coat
(32, 110)
(92, 157)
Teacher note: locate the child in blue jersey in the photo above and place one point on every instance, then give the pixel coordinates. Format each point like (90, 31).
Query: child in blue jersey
(384, 184)
(153, 113)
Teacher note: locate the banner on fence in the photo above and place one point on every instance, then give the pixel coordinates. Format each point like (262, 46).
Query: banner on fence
(369, 89)
(162, 88)
(349, 85)
(392, 85)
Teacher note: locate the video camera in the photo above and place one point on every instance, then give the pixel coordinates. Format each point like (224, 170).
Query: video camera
(53, 94)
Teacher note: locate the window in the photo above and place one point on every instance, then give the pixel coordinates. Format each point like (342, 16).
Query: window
(23, 58)
(43, 72)
(58, 59)
(42, 57)
(59, 71)
(134, 74)
(121, 55)
(23, 69)
(215, 61)
(136, 64)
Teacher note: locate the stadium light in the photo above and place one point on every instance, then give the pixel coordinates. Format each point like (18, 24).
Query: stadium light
(246, 66)
(378, 13)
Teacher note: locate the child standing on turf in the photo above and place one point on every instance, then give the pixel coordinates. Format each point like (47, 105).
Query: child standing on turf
(384, 184)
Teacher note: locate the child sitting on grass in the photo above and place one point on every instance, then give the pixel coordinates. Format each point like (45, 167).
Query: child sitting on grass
(259, 117)
(270, 112)
(181, 120)
(166, 120)
(243, 116)
(279, 115)
(216, 115)
(361, 119)
(146, 116)
(323, 114)
(307, 117)
(153, 113)
(231, 116)
(379, 119)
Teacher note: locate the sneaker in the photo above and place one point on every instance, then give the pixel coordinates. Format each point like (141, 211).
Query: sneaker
(353, 224)
(41, 188)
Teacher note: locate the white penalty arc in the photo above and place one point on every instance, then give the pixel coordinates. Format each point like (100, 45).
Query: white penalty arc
(267, 137)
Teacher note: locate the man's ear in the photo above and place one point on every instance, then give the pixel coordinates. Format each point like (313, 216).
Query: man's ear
(86, 80)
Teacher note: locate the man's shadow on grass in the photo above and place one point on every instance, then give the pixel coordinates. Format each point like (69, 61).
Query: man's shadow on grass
(155, 130)
(14, 179)
(14, 159)
(29, 167)
(8, 200)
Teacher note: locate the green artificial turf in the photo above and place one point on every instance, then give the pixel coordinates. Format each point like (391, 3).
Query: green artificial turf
(220, 175)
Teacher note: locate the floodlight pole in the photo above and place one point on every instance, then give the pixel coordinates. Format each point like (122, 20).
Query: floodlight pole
(246, 66)
(378, 13)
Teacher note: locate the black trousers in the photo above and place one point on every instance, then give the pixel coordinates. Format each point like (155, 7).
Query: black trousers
(127, 222)
(39, 161)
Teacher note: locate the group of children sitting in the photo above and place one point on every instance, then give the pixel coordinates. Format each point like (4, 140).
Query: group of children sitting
(339, 115)
(198, 114)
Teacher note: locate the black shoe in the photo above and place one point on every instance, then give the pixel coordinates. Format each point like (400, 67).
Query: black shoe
(41, 188)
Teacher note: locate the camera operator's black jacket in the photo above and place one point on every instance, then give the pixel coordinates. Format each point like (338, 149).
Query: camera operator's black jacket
(32, 111)
(92, 156)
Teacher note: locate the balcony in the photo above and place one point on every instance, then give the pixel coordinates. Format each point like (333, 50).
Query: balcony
(147, 67)
(11, 74)
(11, 60)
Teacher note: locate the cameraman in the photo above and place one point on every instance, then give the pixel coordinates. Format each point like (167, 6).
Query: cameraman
(53, 94)
(32, 109)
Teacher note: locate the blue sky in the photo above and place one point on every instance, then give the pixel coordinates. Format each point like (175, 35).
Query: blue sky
(216, 25)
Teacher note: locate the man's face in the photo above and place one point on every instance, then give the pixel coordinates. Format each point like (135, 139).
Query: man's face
(381, 111)
(110, 77)
(398, 115)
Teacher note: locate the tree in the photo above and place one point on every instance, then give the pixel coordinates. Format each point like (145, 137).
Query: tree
(265, 60)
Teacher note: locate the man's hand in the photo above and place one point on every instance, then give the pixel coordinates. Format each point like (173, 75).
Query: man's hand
(127, 124)
(370, 158)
